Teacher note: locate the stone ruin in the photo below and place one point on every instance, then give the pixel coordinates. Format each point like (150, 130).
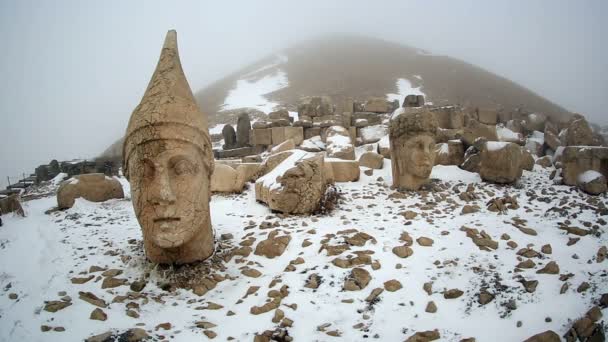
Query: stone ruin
(493, 142)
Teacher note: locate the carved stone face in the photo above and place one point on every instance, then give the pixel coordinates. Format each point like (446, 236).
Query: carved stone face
(419, 156)
(170, 190)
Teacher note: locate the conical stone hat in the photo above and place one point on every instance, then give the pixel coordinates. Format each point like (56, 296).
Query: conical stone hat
(167, 110)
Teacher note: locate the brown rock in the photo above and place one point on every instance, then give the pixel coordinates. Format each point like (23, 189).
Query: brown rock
(273, 246)
(296, 187)
(550, 268)
(500, 162)
(372, 160)
(424, 241)
(403, 251)
(98, 315)
(94, 187)
(547, 336)
(546, 249)
(424, 336)
(55, 305)
(392, 285)
(357, 280)
(485, 298)
(452, 293)
(92, 299)
(431, 307)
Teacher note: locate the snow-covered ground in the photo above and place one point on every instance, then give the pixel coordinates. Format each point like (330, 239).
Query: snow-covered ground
(41, 253)
(405, 87)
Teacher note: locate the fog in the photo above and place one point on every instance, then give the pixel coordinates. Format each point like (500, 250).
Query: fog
(74, 70)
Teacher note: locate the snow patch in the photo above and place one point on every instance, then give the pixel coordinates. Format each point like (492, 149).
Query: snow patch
(505, 134)
(452, 173)
(496, 145)
(270, 179)
(373, 133)
(250, 94)
(589, 176)
(404, 87)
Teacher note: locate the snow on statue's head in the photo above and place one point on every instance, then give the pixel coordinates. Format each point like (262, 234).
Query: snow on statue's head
(168, 162)
(412, 139)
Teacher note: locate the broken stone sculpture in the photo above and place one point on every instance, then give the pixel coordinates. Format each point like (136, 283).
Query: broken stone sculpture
(168, 161)
(94, 187)
(412, 140)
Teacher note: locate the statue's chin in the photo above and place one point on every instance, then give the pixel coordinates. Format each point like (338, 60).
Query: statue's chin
(170, 240)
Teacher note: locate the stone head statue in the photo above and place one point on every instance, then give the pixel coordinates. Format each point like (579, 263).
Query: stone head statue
(168, 161)
(412, 139)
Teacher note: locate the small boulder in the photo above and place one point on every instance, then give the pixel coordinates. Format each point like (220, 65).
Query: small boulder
(592, 182)
(94, 187)
(500, 162)
(372, 160)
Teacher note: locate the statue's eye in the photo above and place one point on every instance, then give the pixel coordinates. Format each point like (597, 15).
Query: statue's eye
(149, 169)
(183, 167)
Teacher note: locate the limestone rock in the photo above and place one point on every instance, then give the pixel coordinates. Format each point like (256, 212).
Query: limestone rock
(392, 285)
(378, 105)
(260, 136)
(579, 133)
(576, 160)
(547, 336)
(357, 279)
(223, 179)
(372, 160)
(286, 145)
(413, 101)
(315, 106)
(424, 336)
(550, 268)
(11, 204)
(475, 129)
(94, 187)
(280, 134)
(273, 246)
(342, 170)
(500, 162)
(592, 182)
(544, 161)
(403, 251)
(449, 119)
(488, 116)
(527, 160)
(296, 186)
(339, 144)
(450, 153)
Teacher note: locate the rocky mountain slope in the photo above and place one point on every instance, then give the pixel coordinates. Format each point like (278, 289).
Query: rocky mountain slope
(359, 67)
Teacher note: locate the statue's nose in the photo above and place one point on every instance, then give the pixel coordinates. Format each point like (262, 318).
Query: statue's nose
(164, 194)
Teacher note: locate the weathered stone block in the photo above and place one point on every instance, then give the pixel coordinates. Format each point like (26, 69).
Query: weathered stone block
(261, 136)
(280, 134)
(344, 170)
(500, 162)
(487, 116)
(578, 159)
(311, 132)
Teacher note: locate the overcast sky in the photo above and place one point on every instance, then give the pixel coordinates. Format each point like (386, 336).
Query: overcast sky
(72, 71)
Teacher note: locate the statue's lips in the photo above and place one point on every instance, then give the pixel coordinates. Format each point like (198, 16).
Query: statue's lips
(166, 219)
